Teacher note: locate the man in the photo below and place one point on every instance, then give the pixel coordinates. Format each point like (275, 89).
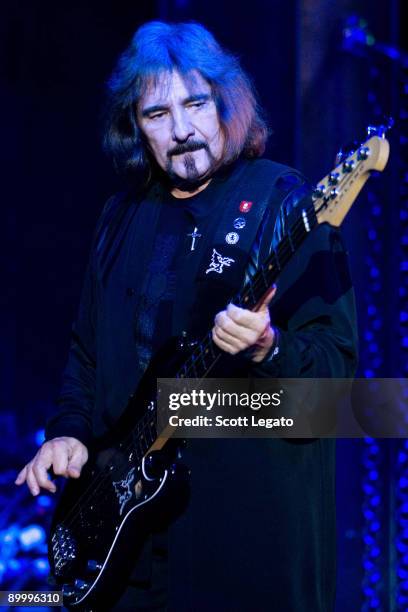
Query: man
(184, 126)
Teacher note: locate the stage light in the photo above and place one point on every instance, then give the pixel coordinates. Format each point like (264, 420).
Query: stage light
(39, 437)
(32, 536)
(44, 501)
(41, 566)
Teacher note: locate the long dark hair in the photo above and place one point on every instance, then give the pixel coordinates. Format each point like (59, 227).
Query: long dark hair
(159, 47)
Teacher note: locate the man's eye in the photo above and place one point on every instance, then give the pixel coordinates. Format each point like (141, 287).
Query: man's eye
(157, 115)
(196, 104)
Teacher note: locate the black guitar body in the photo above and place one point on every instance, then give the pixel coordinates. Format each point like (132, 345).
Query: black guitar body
(102, 519)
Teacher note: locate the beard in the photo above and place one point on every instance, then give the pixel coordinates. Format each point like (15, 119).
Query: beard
(191, 168)
(193, 179)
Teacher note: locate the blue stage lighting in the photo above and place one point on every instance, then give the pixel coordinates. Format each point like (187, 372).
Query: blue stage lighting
(39, 437)
(32, 536)
(44, 501)
(41, 566)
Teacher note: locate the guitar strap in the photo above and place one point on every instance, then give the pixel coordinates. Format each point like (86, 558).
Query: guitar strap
(253, 195)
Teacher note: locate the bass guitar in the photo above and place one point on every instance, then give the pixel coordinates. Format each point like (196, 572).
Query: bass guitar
(135, 476)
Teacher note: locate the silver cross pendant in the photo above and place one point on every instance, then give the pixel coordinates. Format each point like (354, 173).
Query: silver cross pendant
(194, 235)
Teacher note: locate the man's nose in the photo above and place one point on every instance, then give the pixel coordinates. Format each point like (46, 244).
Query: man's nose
(182, 127)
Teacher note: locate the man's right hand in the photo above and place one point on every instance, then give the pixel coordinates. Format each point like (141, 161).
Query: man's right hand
(66, 456)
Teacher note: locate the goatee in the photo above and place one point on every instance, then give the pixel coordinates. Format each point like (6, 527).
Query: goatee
(192, 180)
(191, 168)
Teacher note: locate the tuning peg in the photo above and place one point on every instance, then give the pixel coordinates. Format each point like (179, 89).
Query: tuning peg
(340, 156)
(363, 153)
(319, 192)
(345, 151)
(348, 165)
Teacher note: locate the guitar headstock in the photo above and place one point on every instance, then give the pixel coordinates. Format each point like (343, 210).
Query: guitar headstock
(337, 191)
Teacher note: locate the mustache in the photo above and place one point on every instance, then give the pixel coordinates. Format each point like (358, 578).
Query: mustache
(187, 147)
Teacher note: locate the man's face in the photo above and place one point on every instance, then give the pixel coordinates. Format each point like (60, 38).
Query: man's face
(180, 123)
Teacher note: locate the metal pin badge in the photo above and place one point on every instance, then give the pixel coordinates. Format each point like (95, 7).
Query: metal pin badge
(245, 206)
(239, 223)
(232, 238)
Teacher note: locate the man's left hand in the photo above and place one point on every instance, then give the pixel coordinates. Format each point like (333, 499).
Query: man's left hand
(236, 329)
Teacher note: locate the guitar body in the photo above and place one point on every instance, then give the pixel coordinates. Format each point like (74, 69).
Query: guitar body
(102, 519)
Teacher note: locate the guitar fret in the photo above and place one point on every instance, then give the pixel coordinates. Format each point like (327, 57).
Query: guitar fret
(300, 233)
(182, 372)
(269, 270)
(251, 292)
(202, 357)
(264, 276)
(211, 345)
(150, 430)
(274, 253)
(280, 254)
(193, 365)
(287, 250)
(143, 442)
(289, 239)
(138, 451)
(201, 363)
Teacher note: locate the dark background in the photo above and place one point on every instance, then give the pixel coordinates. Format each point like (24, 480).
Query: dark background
(320, 89)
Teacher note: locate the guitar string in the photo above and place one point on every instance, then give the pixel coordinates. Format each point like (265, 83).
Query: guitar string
(284, 249)
(297, 225)
(258, 279)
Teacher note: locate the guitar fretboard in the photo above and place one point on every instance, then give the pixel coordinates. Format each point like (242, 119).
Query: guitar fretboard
(205, 353)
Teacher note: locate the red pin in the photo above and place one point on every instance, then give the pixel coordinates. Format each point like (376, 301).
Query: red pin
(245, 206)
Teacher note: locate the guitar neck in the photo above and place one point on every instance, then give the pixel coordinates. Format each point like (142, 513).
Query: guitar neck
(205, 353)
